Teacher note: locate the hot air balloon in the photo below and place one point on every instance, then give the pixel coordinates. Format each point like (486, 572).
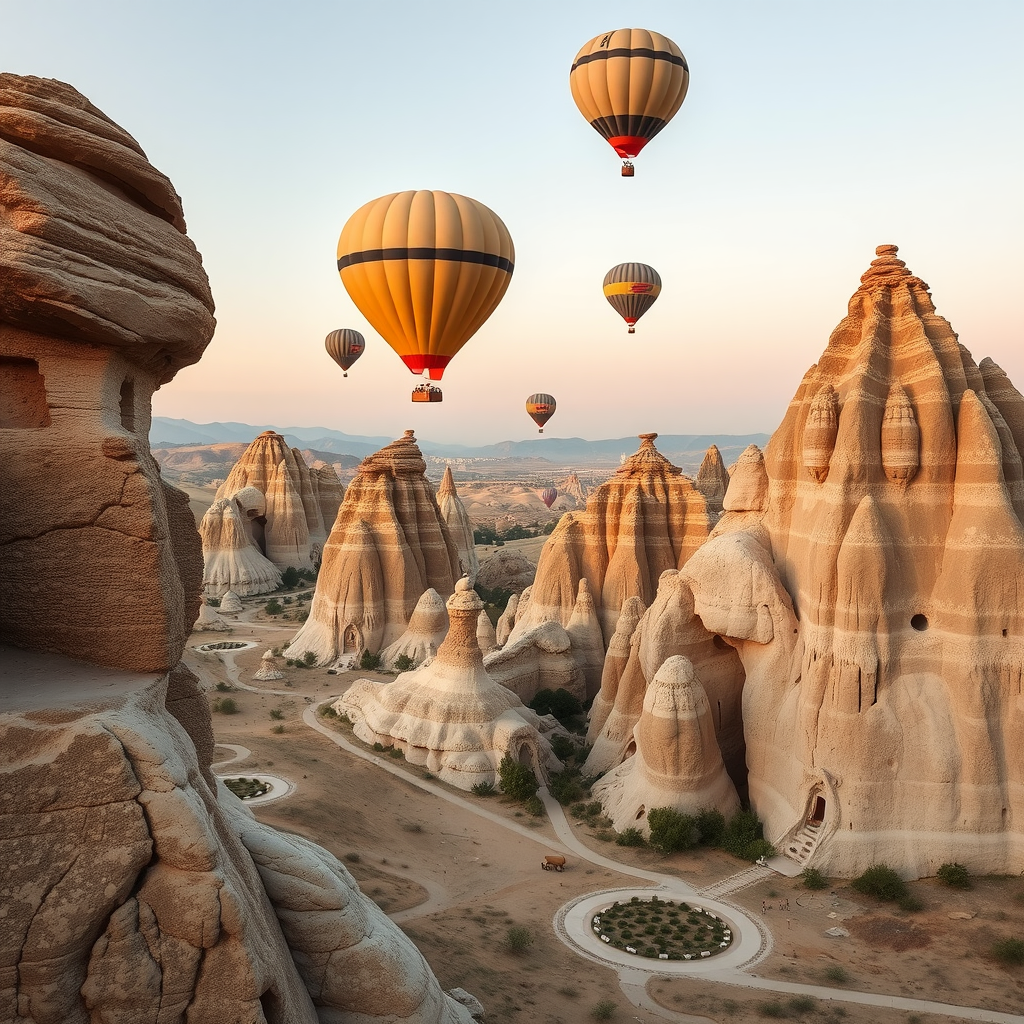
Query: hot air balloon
(426, 269)
(548, 496)
(345, 347)
(629, 84)
(540, 408)
(631, 288)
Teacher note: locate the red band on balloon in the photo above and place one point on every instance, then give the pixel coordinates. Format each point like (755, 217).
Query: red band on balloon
(418, 362)
(627, 146)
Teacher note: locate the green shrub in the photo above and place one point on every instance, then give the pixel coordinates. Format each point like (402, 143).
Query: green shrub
(604, 1010)
(671, 830)
(772, 1009)
(368, 661)
(278, 729)
(309, 659)
(837, 973)
(881, 882)
(484, 788)
(517, 780)
(813, 879)
(1009, 951)
(277, 714)
(563, 747)
(226, 706)
(535, 806)
(403, 663)
(560, 703)
(290, 577)
(567, 786)
(353, 858)
(802, 1004)
(273, 607)
(711, 826)
(518, 939)
(224, 688)
(631, 837)
(956, 876)
(744, 837)
(328, 712)
(396, 752)
(378, 746)
(213, 602)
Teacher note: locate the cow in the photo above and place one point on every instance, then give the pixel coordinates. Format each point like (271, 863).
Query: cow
(553, 862)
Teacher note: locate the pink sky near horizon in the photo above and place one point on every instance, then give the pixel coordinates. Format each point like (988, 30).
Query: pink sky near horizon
(810, 134)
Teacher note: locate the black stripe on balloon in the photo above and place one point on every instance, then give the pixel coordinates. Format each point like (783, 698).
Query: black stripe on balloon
(625, 51)
(631, 125)
(487, 259)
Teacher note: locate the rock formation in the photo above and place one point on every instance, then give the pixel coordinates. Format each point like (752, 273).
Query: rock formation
(454, 513)
(507, 619)
(867, 572)
(572, 488)
(290, 529)
(268, 670)
(209, 621)
(713, 480)
(584, 631)
(676, 761)
(231, 558)
(541, 658)
(449, 715)
(506, 570)
(485, 634)
(230, 604)
(135, 887)
(646, 519)
(615, 660)
(389, 544)
(426, 631)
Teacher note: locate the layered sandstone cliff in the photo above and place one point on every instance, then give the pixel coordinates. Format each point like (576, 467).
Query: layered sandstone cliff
(388, 546)
(454, 513)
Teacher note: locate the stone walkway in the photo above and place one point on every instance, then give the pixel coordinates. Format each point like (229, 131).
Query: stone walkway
(741, 880)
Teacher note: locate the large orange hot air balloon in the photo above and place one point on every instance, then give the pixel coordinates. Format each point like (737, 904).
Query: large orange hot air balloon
(345, 347)
(631, 289)
(540, 408)
(629, 84)
(426, 269)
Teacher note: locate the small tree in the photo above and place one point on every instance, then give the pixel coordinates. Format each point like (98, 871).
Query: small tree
(273, 607)
(813, 879)
(309, 659)
(290, 577)
(881, 882)
(671, 830)
(560, 703)
(956, 876)
(368, 661)
(403, 663)
(517, 780)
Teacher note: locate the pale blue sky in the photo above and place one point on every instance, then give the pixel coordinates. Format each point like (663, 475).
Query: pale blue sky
(811, 133)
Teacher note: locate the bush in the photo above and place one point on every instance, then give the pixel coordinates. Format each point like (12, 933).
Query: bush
(956, 876)
(881, 882)
(403, 663)
(772, 1009)
(631, 837)
(277, 714)
(484, 788)
(744, 837)
(396, 752)
(226, 706)
(517, 780)
(1009, 951)
(560, 703)
(535, 806)
(518, 939)
(604, 1010)
(802, 1004)
(309, 659)
(813, 879)
(224, 688)
(328, 712)
(290, 577)
(711, 826)
(368, 661)
(837, 973)
(273, 607)
(278, 729)
(567, 787)
(213, 602)
(671, 830)
(378, 746)
(563, 747)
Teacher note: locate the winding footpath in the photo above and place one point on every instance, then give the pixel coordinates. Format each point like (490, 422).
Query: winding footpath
(752, 941)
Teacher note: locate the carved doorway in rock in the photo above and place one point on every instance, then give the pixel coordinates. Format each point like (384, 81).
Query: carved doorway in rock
(817, 815)
(350, 640)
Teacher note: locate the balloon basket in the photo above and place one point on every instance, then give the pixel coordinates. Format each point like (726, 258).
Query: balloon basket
(427, 393)
(632, 330)
(627, 169)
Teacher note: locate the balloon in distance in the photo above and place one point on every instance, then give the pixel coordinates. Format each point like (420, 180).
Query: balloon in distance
(540, 408)
(631, 289)
(426, 269)
(548, 496)
(629, 84)
(345, 347)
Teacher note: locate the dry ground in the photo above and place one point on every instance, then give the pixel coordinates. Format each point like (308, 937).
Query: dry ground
(458, 882)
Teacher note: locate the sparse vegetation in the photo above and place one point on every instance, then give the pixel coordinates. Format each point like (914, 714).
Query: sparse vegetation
(534, 806)
(1009, 951)
(630, 837)
(273, 607)
(881, 882)
(837, 973)
(277, 714)
(567, 786)
(813, 879)
(278, 729)
(309, 659)
(403, 663)
(518, 939)
(223, 687)
(956, 876)
(353, 858)
(560, 703)
(368, 661)
(225, 706)
(517, 780)
(484, 789)
(603, 1010)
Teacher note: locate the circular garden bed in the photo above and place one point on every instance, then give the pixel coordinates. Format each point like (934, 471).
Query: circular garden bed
(662, 930)
(246, 789)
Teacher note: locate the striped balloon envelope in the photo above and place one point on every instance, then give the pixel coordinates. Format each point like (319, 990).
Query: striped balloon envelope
(540, 408)
(629, 84)
(548, 496)
(426, 269)
(631, 288)
(345, 347)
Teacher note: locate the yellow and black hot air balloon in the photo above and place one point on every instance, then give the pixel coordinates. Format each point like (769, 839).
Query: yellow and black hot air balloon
(629, 84)
(426, 269)
(345, 347)
(631, 288)
(540, 408)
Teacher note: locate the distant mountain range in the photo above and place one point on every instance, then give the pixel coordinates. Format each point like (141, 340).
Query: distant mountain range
(685, 450)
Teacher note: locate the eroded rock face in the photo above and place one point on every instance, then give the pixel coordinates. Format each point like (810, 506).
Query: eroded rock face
(389, 545)
(425, 633)
(449, 715)
(454, 513)
(868, 575)
(506, 570)
(646, 519)
(231, 559)
(102, 299)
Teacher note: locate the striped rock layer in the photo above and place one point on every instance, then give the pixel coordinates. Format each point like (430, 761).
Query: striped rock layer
(389, 544)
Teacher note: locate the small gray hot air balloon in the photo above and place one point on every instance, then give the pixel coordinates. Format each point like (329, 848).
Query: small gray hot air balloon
(631, 288)
(345, 347)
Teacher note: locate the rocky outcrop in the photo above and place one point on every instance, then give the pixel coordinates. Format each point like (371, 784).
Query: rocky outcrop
(542, 658)
(268, 670)
(449, 715)
(572, 488)
(231, 559)
(454, 513)
(506, 570)
(647, 519)
(389, 544)
(209, 621)
(425, 633)
(713, 480)
(584, 632)
(615, 661)
(289, 531)
(675, 758)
